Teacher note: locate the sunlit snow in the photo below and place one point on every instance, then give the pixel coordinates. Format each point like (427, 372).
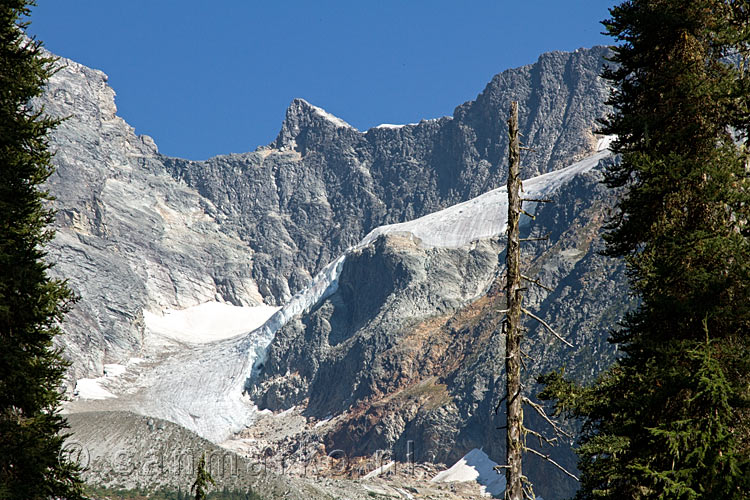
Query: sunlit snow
(475, 466)
(93, 388)
(207, 322)
(605, 142)
(328, 116)
(90, 388)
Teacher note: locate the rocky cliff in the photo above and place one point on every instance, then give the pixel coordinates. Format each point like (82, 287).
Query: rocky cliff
(129, 237)
(409, 347)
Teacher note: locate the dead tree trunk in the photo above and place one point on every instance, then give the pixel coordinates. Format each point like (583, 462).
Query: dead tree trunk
(514, 444)
(517, 486)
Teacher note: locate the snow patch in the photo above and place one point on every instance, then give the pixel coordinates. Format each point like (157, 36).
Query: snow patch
(90, 388)
(391, 125)
(114, 370)
(604, 142)
(207, 322)
(331, 118)
(475, 466)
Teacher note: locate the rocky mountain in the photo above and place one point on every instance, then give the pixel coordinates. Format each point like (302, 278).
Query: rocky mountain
(381, 248)
(322, 185)
(256, 227)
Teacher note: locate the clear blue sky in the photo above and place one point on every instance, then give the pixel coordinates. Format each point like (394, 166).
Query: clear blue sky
(207, 78)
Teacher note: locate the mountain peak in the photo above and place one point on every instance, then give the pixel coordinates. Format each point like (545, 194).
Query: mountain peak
(300, 116)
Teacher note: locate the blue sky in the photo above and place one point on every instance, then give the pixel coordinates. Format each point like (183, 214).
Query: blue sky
(207, 78)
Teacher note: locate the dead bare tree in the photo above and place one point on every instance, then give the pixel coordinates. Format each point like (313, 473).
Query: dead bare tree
(513, 291)
(517, 485)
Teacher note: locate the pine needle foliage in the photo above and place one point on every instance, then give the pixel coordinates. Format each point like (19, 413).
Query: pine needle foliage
(670, 419)
(33, 464)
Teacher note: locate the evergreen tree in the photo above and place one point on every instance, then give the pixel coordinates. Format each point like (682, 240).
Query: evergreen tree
(202, 480)
(32, 463)
(670, 418)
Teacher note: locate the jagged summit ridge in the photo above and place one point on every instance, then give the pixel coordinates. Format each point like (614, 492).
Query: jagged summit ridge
(301, 116)
(322, 186)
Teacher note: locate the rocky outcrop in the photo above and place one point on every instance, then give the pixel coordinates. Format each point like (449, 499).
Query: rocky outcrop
(409, 347)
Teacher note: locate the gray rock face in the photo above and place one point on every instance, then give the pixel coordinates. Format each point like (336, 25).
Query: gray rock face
(409, 349)
(322, 184)
(129, 236)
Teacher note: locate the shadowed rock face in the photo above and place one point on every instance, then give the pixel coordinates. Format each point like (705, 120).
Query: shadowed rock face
(408, 348)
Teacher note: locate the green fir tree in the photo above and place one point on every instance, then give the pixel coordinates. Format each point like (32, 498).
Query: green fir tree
(33, 464)
(670, 419)
(202, 480)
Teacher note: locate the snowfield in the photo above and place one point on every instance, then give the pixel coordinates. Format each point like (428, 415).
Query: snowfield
(198, 359)
(486, 215)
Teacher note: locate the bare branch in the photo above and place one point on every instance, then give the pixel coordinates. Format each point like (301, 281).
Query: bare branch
(499, 403)
(546, 417)
(543, 238)
(547, 458)
(537, 283)
(538, 200)
(542, 439)
(549, 328)
(528, 491)
(533, 217)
